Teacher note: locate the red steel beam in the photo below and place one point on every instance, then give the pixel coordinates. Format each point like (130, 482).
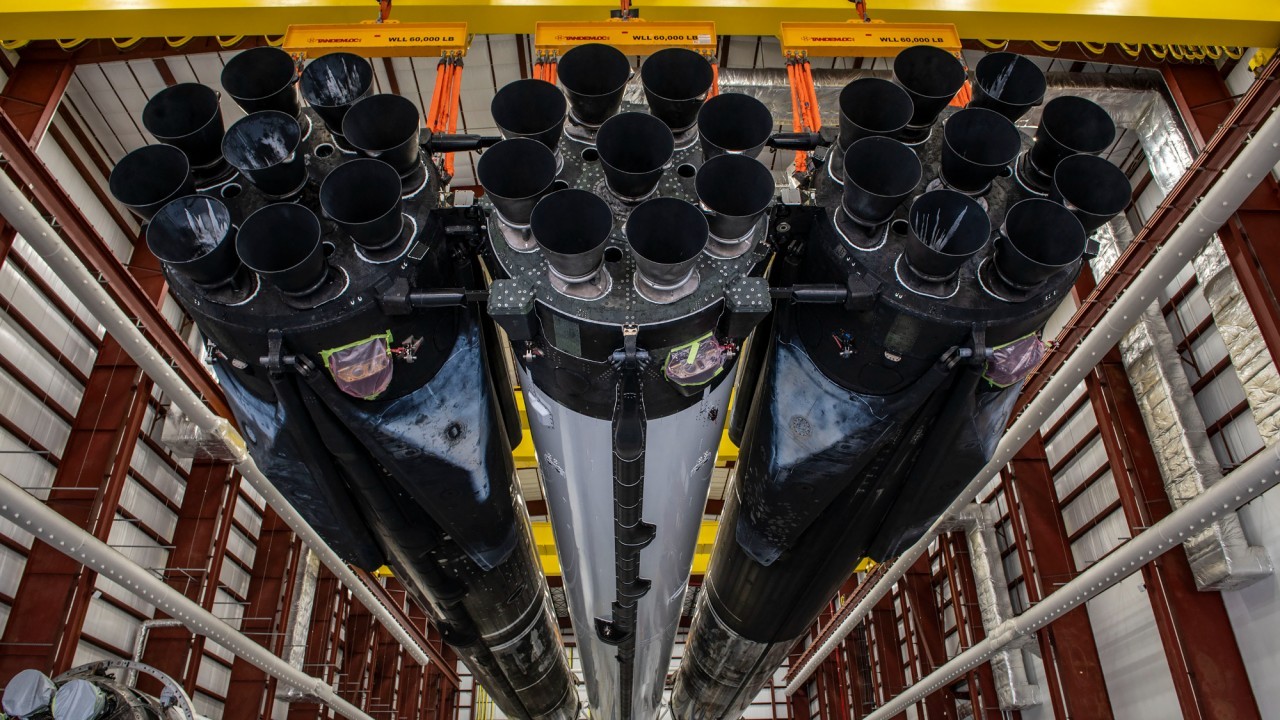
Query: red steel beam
(322, 638)
(194, 567)
(845, 610)
(357, 642)
(33, 92)
(270, 595)
(1251, 237)
(49, 608)
(917, 588)
(1070, 637)
(1208, 671)
(398, 611)
(1218, 152)
(885, 624)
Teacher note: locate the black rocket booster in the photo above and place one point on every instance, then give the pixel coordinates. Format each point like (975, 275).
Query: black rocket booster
(626, 304)
(893, 361)
(333, 290)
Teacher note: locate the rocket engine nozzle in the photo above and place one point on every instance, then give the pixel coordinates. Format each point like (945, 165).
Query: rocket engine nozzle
(263, 78)
(1070, 125)
(667, 235)
(332, 83)
(1038, 238)
(363, 197)
(735, 190)
(733, 123)
(932, 77)
(977, 146)
(1092, 188)
(194, 235)
(879, 173)
(515, 174)
(872, 107)
(264, 146)
(385, 127)
(147, 178)
(676, 82)
(533, 109)
(594, 76)
(572, 226)
(945, 228)
(634, 148)
(1007, 83)
(187, 116)
(281, 243)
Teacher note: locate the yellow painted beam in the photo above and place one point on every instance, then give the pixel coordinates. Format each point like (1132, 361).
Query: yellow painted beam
(527, 457)
(1227, 22)
(545, 543)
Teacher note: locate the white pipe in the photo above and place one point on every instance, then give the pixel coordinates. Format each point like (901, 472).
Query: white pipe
(49, 245)
(1247, 482)
(66, 537)
(1212, 212)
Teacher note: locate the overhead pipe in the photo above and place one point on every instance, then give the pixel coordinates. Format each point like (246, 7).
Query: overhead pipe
(84, 285)
(46, 524)
(1217, 206)
(1247, 482)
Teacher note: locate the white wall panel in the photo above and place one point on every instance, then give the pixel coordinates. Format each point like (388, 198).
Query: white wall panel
(1132, 658)
(11, 566)
(110, 624)
(32, 415)
(147, 464)
(1255, 610)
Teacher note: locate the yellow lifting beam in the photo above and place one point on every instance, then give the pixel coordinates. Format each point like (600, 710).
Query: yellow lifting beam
(545, 543)
(391, 39)
(527, 457)
(633, 37)
(1244, 23)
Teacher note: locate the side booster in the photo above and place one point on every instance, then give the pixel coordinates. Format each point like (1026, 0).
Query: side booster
(331, 286)
(626, 303)
(890, 370)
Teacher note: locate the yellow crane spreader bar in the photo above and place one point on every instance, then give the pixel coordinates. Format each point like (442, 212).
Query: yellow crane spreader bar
(390, 39)
(632, 37)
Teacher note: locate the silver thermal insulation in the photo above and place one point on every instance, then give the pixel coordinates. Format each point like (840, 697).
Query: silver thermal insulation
(1126, 97)
(1014, 691)
(1221, 557)
(576, 456)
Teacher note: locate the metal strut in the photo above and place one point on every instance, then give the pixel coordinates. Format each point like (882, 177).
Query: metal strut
(631, 533)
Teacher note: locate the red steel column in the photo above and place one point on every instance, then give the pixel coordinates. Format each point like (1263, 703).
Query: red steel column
(32, 94)
(270, 593)
(195, 565)
(1204, 659)
(917, 588)
(1252, 236)
(892, 679)
(53, 593)
(322, 636)
(1074, 648)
